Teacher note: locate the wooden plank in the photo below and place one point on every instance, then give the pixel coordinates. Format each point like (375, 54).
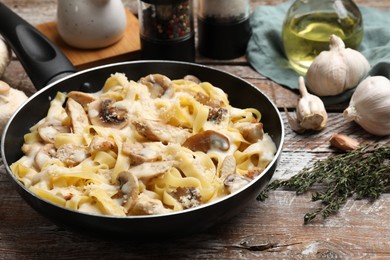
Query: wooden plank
(127, 48)
(274, 227)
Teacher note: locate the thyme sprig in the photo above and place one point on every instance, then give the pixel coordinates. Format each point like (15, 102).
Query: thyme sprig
(363, 173)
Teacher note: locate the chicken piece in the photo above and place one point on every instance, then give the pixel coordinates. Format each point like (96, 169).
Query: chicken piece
(81, 97)
(71, 154)
(253, 173)
(48, 130)
(206, 100)
(31, 149)
(141, 152)
(158, 131)
(46, 153)
(150, 170)
(148, 206)
(77, 115)
(228, 166)
(99, 143)
(234, 182)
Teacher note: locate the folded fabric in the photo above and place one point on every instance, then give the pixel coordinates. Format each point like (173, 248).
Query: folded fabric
(265, 48)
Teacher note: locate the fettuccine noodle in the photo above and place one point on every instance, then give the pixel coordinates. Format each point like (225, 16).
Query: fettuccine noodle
(153, 146)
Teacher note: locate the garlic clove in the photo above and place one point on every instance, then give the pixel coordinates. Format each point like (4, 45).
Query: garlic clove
(337, 70)
(310, 111)
(4, 89)
(10, 100)
(370, 105)
(5, 56)
(293, 122)
(343, 142)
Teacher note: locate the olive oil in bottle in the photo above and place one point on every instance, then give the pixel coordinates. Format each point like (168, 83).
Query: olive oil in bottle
(305, 35)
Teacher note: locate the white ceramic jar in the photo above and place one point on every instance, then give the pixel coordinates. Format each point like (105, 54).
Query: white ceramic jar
(90, 24)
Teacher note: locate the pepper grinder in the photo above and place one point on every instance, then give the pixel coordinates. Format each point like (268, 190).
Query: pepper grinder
(167, 29)
(223, 28)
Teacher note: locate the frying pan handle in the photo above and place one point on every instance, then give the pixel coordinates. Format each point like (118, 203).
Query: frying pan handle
(42, 60)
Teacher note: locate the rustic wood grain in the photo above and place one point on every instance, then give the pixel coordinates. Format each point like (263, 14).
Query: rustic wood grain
(127, 47)
(264, 230)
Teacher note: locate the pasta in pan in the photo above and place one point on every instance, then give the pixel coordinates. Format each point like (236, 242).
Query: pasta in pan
(145, 147)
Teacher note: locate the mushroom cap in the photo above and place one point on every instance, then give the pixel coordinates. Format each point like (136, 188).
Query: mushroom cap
(252, 132)
(156, 83)
(207, 140)
(103, 112)
(130, 188)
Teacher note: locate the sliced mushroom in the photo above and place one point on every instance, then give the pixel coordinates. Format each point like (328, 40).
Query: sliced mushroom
(252, 132)
(157, 84)
(71, 154)
(129, 186)
(141, 152)
(148, 206)
(188, 197)
(103, 112)
(192, 78)
(158, 131)
(207, 140)
(82, 98)
(150, 170)
(217, 114)
(228, 166)
(234, 182)
(48, 130)
(77, 115)
(99, 143)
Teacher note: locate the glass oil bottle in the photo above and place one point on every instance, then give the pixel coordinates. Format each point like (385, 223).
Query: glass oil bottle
(309, 24)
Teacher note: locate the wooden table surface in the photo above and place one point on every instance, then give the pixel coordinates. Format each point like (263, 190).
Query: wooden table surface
(359, 230)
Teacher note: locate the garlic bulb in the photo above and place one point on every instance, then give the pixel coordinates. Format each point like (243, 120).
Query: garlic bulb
(337, 70)
(10, 100)
(5, 56)
(370, 105)
(310, 111)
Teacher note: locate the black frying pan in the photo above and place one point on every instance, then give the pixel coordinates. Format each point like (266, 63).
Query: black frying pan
(45, 65)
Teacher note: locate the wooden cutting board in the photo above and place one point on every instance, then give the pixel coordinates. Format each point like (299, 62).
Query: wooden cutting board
(128, 48)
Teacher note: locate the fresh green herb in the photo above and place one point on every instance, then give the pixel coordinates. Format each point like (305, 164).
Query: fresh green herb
(363, 173)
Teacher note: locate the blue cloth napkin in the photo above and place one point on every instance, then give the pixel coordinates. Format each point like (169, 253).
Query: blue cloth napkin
(265, 48)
